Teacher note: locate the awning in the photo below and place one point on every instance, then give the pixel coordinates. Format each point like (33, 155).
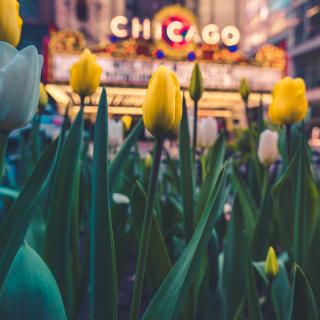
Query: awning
(123, 101)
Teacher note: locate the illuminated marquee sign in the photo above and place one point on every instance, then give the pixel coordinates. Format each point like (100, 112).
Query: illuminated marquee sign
(175, 30)
(137, 72)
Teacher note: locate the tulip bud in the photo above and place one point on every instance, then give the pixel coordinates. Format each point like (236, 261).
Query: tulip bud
(271, 267)
(148, 160)
(127, 121)
(162, 108)
(289, 102)
(268, 151)
(85, 74)
(196, 84)
(10, 22)
(244, 90)
(19, 95)
(43, 98)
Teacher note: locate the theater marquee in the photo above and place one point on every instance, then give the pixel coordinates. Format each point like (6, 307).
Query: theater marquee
(136, 72)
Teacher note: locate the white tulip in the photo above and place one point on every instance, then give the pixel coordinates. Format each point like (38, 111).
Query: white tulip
(268, 151)
(115, 133)
(207, 132)
(210, 131)
(20, 73)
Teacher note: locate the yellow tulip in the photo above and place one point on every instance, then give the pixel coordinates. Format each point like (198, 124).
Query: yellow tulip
(127, 121)
(162, 108)
(85, 74)
(244, 90)
(10, 22)
(43, 98)
(289, 102)
(148, 160)
(271, 267)
(196, 84)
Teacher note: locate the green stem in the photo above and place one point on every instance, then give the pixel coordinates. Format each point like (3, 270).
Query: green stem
(265, 183)
(36, 137)
(268, 301)
(195, 125)
(145, 234)
(288, 141)
(4, 135)
(246, 106)
(82, 102)
(203, 161)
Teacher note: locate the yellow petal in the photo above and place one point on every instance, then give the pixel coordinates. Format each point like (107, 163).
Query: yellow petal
(85, 74)
(289, 103)
(162, 106)
(271, 267)
(10, 22)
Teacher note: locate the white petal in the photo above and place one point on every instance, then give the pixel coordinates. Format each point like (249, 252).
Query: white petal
(7, 53)
(19, 88)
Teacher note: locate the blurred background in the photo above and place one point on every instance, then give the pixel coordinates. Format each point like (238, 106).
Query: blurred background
(260, 40)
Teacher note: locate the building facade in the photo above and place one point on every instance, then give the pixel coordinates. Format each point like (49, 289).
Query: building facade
(38, 17)
(304, 48)
(293, 25)
(91, 17)
(219, 12)
(265, 21)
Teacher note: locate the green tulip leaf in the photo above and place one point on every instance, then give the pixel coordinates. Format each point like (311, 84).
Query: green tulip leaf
(158, 262)
(246, 201)
(297, 215)
(301, 302)
(262, 230)
(186, 168)
(15, 225)
(215, 163)
(30, 291)
(8, 192)
(251, 286)
(59, 217)
(103, 274)
(233, 263)
(170, 298)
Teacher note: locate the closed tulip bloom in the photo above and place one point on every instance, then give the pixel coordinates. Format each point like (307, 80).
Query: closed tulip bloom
(85, 74)
(10, 22)
(19, 85)
(268, 151)
(207, 132)
(148, 160)
(162, 108)
(127, 121)
(289, 102)
(201, 139)
(210, 131)
(196, 84)
(244, 90)
(43, 98)
(271, 267)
